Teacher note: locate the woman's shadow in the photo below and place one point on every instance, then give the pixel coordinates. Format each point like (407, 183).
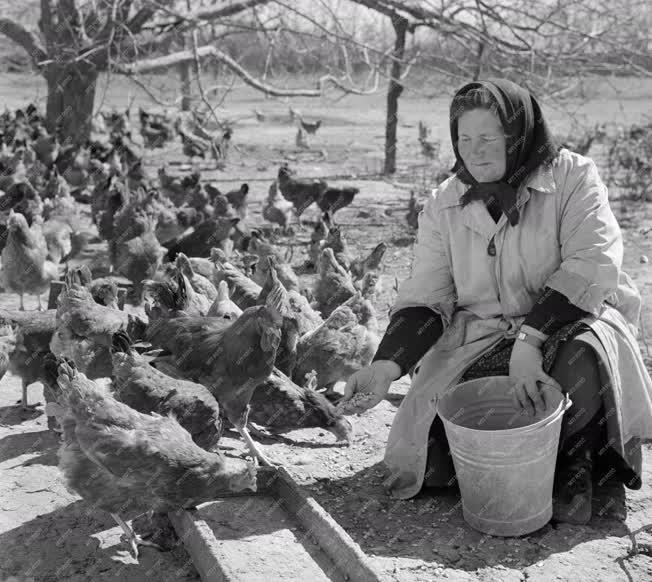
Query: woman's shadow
(430, 527)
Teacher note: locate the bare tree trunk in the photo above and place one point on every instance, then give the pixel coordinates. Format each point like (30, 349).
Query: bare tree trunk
(186, 84)
(71, 97)
(184, 74)
(479, 59)
(393, 93)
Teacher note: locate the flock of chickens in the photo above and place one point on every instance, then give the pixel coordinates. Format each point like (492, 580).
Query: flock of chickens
(226, 334)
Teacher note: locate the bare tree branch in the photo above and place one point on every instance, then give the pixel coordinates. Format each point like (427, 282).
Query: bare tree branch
(24, 38)
(167, 61)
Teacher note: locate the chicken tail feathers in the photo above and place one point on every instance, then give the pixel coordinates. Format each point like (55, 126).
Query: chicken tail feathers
(78, 276)
(183, 265)
(121, 342)
(50, 369)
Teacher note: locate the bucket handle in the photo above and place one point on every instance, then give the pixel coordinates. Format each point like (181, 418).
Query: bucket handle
(565, 405)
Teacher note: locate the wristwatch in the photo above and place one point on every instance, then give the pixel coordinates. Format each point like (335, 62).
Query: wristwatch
(528, 338)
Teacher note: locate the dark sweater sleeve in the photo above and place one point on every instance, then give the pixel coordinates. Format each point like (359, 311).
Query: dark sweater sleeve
(411, 332)
(552, 311)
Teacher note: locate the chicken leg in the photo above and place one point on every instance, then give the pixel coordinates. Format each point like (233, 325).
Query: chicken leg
(23, 401)
(134, 539)
(251, 445)
(22, 305)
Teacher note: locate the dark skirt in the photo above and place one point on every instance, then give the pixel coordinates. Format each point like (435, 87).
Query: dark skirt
(623, 460)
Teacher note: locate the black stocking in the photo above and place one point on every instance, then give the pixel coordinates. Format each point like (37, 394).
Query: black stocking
(576, 368)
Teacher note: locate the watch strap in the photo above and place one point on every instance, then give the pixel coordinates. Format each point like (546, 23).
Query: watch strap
(528, 338)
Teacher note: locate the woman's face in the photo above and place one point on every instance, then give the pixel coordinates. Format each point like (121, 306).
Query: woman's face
(482, 145)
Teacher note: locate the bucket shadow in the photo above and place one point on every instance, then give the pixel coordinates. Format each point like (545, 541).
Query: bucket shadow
(430, 527)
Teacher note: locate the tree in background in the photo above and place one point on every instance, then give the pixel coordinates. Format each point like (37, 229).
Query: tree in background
(548, 46)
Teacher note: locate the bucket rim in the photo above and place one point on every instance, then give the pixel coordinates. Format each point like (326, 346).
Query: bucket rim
(554, 415)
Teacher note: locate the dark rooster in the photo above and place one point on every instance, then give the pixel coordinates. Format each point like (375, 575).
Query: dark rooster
(302, 192)
(121, 460)
(310, 127)
(155, 129)
(335, 198)
(238, 199)
(147, 390)
(203, 238)
(229, 358)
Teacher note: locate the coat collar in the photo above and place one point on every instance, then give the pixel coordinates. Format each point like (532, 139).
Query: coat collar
(542, 180)
(476, 216)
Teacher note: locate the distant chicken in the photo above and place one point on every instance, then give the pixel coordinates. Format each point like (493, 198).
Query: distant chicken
(147, 390)
(193, 146)
(335, 198)
(239, 199)
(34, 330)
(7, 346)
(46, 146)
(25, 269)
(276, 209)
(139, 258)
(280, 405)
(343, 344)
(198, 282)
(318, 240)
(22, 198)
(300, 140)
(301, 192)
(310, 127)
(284, 270)
(84, 330)
(307, 318)
(174, 297)
(286, 353)
(229, 358)
(334, 284)
(360, 267)
(223, 306)
(244, 291)
(203, 238)
(336, 241)
(58, 240)
(121, 460)
(414, 208)
(155, 129)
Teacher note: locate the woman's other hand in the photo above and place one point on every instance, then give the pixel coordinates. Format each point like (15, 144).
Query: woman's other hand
(526, 370)
(368, 386)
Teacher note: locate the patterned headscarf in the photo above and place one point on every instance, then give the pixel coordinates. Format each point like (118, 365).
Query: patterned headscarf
(530, 143)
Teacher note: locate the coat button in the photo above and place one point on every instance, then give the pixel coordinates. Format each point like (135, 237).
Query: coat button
(491, 249)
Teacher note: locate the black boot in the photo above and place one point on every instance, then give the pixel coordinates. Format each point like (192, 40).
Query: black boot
(573, 487)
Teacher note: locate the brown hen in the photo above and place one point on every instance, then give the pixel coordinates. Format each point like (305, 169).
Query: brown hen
(122, 460)
(229, 358)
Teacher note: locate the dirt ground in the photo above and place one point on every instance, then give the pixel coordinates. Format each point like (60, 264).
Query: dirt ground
(49, 534)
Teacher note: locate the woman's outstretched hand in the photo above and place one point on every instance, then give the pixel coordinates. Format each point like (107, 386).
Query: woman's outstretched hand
(368, 386)
(526, 370)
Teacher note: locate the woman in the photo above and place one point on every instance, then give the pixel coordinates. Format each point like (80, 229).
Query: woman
(517, 271)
